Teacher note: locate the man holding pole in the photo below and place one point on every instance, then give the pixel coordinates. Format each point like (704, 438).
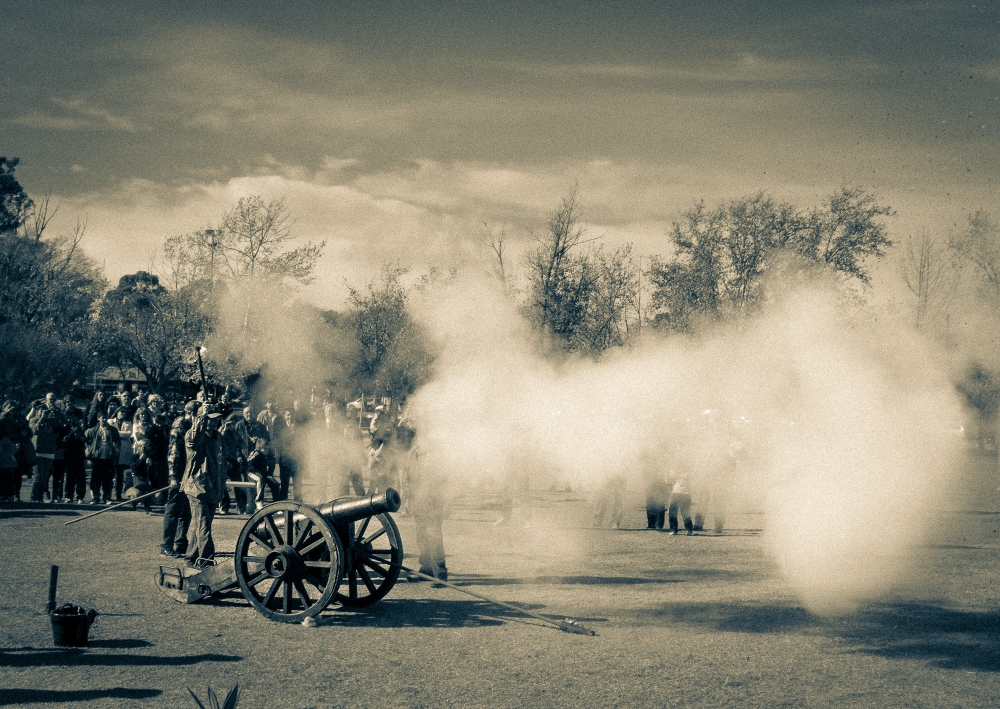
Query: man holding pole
(204, 480)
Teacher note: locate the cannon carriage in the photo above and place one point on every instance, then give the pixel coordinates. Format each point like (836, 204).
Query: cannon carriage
(292, 560)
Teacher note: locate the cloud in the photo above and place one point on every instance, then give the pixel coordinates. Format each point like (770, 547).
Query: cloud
(742, 67)
(76, 114)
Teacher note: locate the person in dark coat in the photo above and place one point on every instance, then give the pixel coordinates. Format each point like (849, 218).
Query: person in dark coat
(46, 423)
(157, 432)
(657, 497)
(204, 481)
(97, 404)
(103, 444)
(176, 510)
(26, 457)
(10, 443)
(75, 452)
(232, 462)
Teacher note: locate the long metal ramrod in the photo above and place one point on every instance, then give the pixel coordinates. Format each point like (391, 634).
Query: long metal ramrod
(568, 626)
(120, 504)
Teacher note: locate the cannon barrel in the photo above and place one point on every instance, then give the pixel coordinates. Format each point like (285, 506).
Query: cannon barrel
(344, 510)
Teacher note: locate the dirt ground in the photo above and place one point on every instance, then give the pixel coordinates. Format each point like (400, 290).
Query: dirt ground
(680, 621)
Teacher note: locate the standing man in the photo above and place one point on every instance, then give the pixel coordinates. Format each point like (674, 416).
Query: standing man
(657, 497)
(46, 423)
(285, 450)
(232, 462)
(9, 444)
(103, 443)
(429, 491)
(176, 511)
(274, 423)
(680, 503)
(158, 434)
(204, 481)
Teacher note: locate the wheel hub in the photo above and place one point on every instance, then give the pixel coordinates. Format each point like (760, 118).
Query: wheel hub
(283, 563)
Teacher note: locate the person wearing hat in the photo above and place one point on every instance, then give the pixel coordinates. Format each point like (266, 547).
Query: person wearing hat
(176, 511)
(204, 480)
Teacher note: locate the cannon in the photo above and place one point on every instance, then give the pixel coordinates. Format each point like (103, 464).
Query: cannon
(292, 560)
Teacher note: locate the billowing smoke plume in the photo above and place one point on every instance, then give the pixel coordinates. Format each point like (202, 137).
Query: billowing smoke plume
(842, 430)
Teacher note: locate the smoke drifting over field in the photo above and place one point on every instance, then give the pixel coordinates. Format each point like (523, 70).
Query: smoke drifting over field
(844, 432)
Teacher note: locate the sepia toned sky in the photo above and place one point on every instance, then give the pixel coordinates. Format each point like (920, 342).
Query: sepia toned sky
(397, 130)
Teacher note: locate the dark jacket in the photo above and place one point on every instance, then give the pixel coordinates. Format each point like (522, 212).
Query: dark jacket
(203, 475)
(103, 444)
(176, 453)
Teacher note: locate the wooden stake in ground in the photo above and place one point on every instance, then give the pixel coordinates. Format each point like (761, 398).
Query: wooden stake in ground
(53, 580)
(567, 626)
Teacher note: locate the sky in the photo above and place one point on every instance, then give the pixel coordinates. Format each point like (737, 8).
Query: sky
(399, 132)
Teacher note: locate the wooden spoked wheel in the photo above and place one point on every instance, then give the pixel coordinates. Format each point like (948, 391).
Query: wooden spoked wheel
(373, 556)
(289, 561)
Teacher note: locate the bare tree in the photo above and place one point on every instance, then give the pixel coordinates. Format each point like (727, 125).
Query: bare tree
(929, 271)
(255, 241)
(497, 243)
(979, 245)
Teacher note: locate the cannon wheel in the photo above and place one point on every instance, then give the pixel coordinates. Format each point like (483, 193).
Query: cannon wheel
(373, 558)
(289, 561)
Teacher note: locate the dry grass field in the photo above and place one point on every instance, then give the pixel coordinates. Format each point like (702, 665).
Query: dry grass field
(680, 621)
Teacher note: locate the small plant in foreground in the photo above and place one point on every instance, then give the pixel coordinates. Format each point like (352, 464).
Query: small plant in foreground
(213, 701)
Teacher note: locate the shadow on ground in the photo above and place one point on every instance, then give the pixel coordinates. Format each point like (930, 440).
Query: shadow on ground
(652, 576)
(16, 695)
(80, 657)
(941, 636)
(37, 513)
(431, 613)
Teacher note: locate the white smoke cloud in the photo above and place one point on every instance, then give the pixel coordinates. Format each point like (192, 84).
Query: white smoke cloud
(849, 429)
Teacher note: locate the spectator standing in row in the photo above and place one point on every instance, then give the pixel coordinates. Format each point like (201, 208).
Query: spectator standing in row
(75, 455)
(103, 443)
(123, 469)
(10, 444)
(157, 431)
(97, 404)
(45, 421)
(177, 511)
(232, 463)
(26, 457)
(287, 449)
(274, 423)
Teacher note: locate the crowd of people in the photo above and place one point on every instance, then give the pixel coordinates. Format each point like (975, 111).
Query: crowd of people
(136, 447)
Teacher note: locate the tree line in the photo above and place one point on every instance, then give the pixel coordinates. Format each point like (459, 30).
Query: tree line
(59, 319)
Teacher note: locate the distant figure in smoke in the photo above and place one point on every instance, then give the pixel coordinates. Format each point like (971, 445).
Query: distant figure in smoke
(657, 497)
(429, 505)
(383, 451)
(611, 503)
(353, 450)
(680, 502)
(286, 449)
(274, 423)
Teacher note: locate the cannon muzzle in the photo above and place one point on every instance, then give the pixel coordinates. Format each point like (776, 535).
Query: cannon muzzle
(344, 510)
